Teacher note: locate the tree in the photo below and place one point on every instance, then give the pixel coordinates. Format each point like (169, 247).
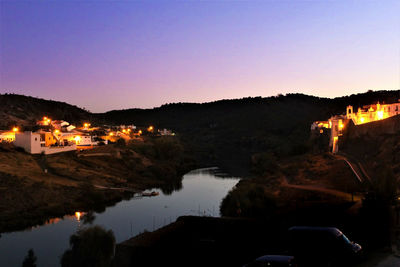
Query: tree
(121, 142)
(30, 259)
(90, 247)
(248, 200)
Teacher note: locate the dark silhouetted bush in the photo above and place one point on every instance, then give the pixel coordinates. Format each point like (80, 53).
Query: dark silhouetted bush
(90, 247)
(30, 259)
(121, 142)
(248, 200)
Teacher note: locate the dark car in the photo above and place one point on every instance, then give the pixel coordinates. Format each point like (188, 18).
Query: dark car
(273, 260)
(322, 244)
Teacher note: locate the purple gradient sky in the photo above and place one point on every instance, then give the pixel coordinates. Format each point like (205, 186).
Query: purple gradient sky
(106, 55)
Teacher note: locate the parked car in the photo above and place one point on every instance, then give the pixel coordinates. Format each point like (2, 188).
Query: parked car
(321, 244)
(273, 260)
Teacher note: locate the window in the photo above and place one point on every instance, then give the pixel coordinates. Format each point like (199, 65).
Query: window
(35, 138)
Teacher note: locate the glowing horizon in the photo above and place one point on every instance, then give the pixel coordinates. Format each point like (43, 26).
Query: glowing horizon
(115, 55)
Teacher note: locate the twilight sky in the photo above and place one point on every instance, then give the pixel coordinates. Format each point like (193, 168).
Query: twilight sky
(106, 55)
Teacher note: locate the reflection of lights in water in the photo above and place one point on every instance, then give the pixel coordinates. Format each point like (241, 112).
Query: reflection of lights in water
(53, 220)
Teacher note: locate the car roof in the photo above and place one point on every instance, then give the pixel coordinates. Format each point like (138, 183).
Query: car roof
(275, 258)
(331, 230)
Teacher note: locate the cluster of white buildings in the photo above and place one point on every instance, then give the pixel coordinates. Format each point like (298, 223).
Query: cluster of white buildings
(366, 114)
(55, 136)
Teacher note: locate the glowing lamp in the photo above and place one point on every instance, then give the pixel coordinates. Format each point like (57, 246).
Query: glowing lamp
(77, 138)
(150, 128)
(56, 131)
(111, 134)
(78, 215)
(380, 114)
(15, 129)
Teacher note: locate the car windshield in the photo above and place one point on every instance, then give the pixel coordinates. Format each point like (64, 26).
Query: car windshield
(346, 239)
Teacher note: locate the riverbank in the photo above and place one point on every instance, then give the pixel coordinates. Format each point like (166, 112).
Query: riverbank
(317, 190)
(35, 188)
(202, 191)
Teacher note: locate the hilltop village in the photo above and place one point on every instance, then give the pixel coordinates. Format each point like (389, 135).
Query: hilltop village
(55, 136)
(368, 113)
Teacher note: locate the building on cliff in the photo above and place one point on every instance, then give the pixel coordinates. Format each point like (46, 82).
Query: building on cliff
(366, 114)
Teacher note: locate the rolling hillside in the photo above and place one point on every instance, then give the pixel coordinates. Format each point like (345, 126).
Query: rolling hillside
(229, 132)
(226, 133)
(26, 110)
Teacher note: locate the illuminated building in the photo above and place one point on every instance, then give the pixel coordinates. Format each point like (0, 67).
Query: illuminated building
(7, 136)
(366, 114)
(41, 142)
(372, 113)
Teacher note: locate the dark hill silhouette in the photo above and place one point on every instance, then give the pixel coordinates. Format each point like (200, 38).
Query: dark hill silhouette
(225, 133)
(25, 110)
(228, 132)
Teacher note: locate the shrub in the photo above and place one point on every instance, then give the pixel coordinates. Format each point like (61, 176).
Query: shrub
(30, 259)
(248, 200)
(93, 246)
(264, 163)
(121, 142)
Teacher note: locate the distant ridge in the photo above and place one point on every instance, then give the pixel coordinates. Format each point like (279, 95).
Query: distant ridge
(25, 110)
(225, 133)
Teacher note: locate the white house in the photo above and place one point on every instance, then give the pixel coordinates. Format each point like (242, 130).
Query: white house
(35, 143)
(165, 132)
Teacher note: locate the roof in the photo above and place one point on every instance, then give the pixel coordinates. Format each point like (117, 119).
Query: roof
(332, 230)
(275, 258)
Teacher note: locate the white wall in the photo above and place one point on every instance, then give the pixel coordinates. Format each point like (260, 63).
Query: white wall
(31, 143)
(28, 141)
(53, 150)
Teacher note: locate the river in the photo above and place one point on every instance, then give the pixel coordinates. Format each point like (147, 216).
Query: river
(201, 194)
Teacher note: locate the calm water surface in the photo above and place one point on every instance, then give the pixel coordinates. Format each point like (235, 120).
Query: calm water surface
(201, 193)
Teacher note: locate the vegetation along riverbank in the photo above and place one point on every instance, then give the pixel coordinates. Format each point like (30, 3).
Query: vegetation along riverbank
(35, 188)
